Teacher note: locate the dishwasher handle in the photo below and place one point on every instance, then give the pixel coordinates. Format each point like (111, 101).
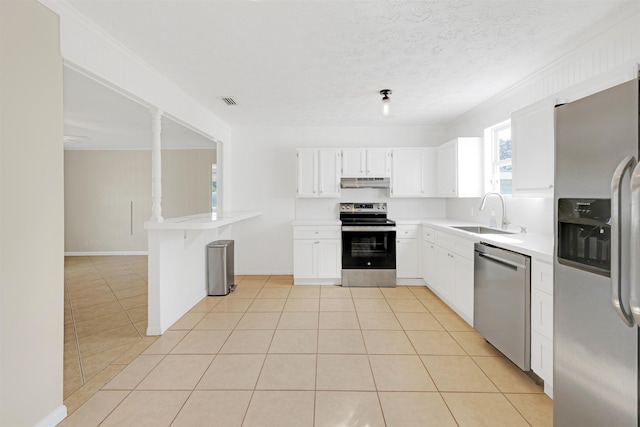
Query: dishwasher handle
(499, 260)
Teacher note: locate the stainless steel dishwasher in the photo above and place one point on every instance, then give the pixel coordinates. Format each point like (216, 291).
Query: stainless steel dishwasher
(502, 301)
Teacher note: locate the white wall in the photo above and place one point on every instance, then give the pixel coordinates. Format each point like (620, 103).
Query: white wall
(186, 181)
(600, 63)
(108, 195)
(31, 217)
(261, 175)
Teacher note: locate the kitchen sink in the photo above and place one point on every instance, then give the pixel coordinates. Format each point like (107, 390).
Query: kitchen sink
(481, 230)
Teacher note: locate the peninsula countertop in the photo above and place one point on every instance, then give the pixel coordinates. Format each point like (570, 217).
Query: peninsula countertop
(206, 221)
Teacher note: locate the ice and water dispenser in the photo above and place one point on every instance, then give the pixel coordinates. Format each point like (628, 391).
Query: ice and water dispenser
(584, 234)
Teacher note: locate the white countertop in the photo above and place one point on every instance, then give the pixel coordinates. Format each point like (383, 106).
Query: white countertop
(318, 222)
(535, 245)
(205, 221)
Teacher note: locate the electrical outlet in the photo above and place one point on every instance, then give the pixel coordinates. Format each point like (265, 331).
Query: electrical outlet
(472, 210)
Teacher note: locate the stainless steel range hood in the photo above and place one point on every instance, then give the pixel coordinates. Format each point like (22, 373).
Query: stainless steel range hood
(364, 182)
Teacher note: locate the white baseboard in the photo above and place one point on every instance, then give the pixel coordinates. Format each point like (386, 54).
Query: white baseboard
(410, 282)
(152, 332)
(51, 420)
(327, 282)
(262, 273)
(106, 253)
(548, 389)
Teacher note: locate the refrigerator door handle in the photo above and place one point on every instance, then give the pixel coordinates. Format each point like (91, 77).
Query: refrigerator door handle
(635, 244)
(616, 206)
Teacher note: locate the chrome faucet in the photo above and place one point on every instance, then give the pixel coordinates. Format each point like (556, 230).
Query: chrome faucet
(505, 222)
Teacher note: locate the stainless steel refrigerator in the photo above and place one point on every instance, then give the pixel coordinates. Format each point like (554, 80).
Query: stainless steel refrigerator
(596, 259)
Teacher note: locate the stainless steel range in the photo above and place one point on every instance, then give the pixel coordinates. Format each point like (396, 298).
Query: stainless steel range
(368, 245)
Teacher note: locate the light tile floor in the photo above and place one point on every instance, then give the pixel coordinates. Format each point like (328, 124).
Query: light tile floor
(271, 354)
(105, 321)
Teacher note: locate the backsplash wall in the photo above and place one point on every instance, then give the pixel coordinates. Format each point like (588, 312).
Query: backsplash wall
(534, 214)
(261, 172)
(398, 208)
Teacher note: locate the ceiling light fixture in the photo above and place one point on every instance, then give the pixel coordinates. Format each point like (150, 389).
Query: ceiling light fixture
(385, 101)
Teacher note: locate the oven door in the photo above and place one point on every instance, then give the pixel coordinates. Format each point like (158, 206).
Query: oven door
(368, 247)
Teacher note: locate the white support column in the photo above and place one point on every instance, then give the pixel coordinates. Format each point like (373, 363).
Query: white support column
(156, 167)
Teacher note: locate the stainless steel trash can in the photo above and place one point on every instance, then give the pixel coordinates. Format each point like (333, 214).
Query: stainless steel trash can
(220, 271)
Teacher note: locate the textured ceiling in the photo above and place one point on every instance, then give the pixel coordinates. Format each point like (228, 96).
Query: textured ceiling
(322, 63)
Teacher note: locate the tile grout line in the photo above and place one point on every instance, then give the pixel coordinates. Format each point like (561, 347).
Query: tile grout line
(83, 378)
(253, 392)
(75, 333)
(118, 299)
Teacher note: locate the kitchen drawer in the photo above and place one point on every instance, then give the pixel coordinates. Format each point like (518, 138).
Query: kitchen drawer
(317, 232)
(428, 234)
(406, 231)
(459, 245)
(542, 276)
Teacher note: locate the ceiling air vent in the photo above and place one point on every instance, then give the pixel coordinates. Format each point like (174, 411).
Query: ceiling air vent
(229, 101)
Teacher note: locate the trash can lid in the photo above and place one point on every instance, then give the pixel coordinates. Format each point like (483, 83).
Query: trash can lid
(220, 243)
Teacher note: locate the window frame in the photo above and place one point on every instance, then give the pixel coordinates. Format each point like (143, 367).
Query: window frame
(492, 157)
(214, 181)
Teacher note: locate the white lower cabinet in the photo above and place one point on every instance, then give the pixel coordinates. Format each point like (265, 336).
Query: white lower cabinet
(445, 274)
(542, 322)
(407, 258)
(317, 255)
(329, 259)
(407, 253)
(429, 263)
(448, 269)
(304, 259)
(464, 285)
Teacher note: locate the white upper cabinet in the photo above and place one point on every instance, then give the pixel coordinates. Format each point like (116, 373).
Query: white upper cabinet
(378, 162)
(413, 172)
(353, 162)
(459, 168)
(329, 173)
(359, 162)
(306, 166)
(533, 150)
(318, 173)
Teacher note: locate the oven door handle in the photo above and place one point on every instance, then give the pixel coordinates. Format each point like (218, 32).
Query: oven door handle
(361, 228)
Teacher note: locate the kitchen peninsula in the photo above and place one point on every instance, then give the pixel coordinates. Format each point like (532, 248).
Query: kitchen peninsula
(177, 263)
